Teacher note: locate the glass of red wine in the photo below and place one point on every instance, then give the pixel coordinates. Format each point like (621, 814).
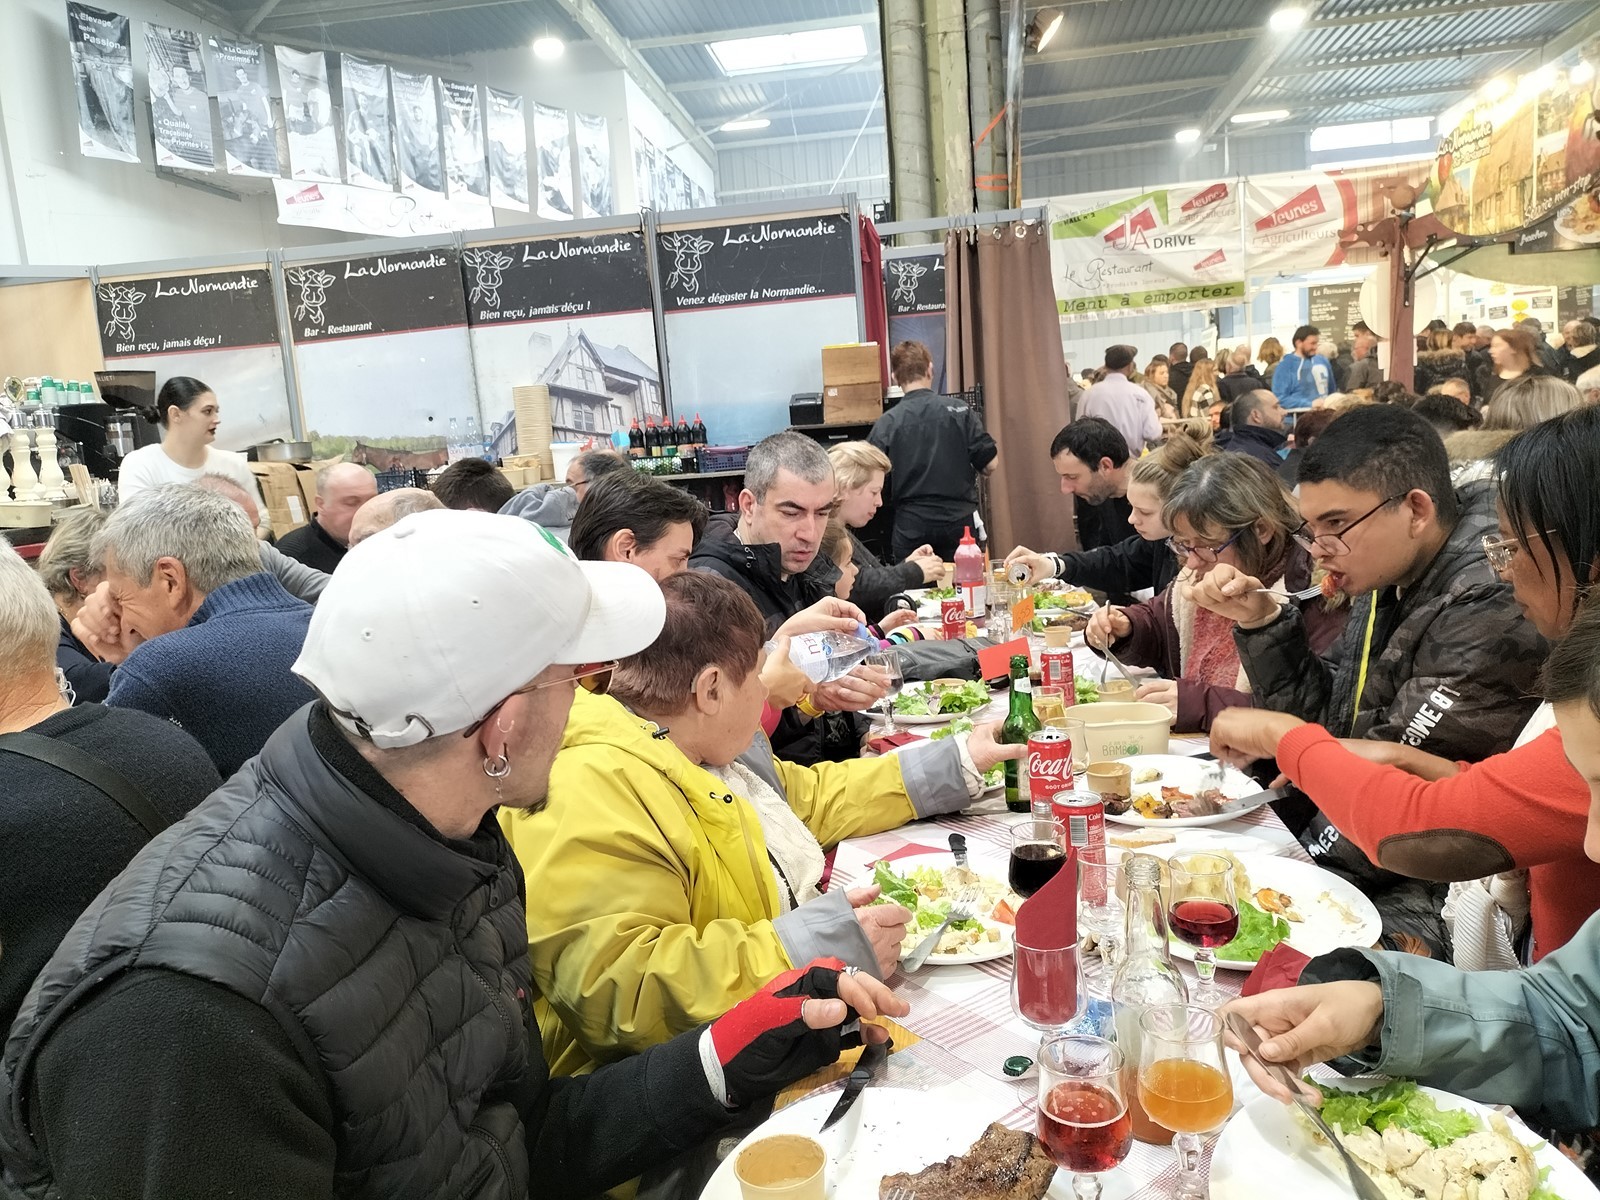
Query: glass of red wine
(1084, 1121)
(1204, 914)
(1038, 852)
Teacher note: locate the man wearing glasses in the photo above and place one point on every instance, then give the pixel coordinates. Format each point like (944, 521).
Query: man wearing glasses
(1436, 654)
(317, 984)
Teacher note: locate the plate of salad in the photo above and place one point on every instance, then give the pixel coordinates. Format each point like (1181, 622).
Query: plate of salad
(1414, 1142)
(1286, 900)
(939, 701)
(925, 883)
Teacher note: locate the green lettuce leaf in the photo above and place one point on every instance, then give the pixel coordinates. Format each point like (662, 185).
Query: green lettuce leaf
(896, 888)
(1258, 932)
(1088, 693)
(1399, 1102)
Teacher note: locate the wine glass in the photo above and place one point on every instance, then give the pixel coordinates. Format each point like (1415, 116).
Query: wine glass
(1100, 908)
(1083, 1114)
(1077, 733)
(892, 676)
(1204, 913)
(1183, 1082)
(1049, 702)
(1038, 852)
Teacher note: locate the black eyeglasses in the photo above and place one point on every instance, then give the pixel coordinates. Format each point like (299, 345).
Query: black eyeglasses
(1206, 554)
(594, 678)
(1333, 544)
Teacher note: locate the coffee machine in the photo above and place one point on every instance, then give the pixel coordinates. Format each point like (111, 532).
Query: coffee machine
(110, 431)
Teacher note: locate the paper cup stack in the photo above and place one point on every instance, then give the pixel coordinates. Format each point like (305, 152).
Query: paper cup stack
(534, 429)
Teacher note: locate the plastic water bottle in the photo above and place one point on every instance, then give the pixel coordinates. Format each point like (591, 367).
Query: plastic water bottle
(824, 657)
(475, 446)
(453, 449)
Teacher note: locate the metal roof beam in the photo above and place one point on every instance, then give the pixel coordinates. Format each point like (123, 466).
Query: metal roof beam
(1567, 40)
(1380, 17)
(749, 31)
(1090, 95)
(311, 14)
(1177, 42)
(775, 113)
(1287, 70)
(1119, 147)
(1332, 99)
(588, 17)
(866, 65)
(826, 135)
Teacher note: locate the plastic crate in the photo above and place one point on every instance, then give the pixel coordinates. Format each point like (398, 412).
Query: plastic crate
(723, 458)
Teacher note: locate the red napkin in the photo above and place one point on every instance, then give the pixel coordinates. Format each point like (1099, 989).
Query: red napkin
(1279, 967)
(886, 742)
(911, 850)
(1045, 957)
(1048, 920)
(995, 662)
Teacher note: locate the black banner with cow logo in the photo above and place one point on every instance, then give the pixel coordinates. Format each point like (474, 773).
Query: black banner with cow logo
(553, 278)
(227, 310)
(385, 293)
(758, 262)
(914, 285)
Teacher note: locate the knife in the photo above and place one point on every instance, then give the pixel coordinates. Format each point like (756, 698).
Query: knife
(873, 1056)
(958, 847)
(1251, 802)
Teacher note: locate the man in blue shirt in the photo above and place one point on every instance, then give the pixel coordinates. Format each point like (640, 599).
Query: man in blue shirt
(1305, 375)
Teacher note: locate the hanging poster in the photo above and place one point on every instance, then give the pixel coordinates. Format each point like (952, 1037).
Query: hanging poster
(1167, 248)
(786, 286)
(220, 326)
(380, 214)
(466, 166)
(552, 140)
(1293, 221)
(180, 110)
(914, 291)
(508, 151)
(236, 74)
(102, 72)
(644, 158)
(416, 120)
(308, 115)
(368, 138)
(381, 350)
(572, 313)
(594, 165)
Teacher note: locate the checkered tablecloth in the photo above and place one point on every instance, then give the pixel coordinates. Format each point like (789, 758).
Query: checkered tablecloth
(963, 1015)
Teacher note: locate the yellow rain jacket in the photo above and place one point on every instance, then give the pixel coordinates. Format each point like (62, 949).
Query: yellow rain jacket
(652, 906)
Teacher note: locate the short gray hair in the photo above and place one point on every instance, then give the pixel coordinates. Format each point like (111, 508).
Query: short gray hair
(1589, 384)
(597, 463)
(1525, 402)
(30, 626)
(210, 536)
(787, 451)
(388, 508)
(69, 549)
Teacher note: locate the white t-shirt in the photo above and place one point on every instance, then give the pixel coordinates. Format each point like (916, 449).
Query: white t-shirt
(149, 467)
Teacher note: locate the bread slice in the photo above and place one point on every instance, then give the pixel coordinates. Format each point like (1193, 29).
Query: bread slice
(1003, 1164)
(1140, 838)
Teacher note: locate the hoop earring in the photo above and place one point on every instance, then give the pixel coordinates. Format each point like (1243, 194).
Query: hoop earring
(498, 767)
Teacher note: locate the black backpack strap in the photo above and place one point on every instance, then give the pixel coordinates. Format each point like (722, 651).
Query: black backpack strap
(91, 770)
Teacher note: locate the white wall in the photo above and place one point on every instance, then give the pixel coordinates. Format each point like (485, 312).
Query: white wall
(693, 158)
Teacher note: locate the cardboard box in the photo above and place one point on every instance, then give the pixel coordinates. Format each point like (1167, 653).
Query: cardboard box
(284, 495)
(852, 403)
(844, 366)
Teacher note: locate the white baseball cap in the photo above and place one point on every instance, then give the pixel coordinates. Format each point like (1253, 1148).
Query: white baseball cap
(428, 625)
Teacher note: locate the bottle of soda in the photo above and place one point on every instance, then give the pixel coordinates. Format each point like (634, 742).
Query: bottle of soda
(684, 435)
(636, 440)
(1019, 723)
(697, 431)
(1144, 978)
(652, 439)
(971, 584)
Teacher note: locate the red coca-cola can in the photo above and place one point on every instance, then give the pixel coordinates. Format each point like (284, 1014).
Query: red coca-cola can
(1056, 670)
(953, 616)
(1082, 815)
(1049, 767)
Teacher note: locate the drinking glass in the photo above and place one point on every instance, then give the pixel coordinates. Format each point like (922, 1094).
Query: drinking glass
(1038, 852)
(1100, 908)
(1075, 730)
(887, 665)
(1001, 597)
(1045, 989)
(1083, 1112)
(1049, 701)
(1204, 913)
(1183, 1082)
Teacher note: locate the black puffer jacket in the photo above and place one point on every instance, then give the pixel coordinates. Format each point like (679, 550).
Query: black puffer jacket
(1435, 366)
(396, 962)
(877, 581)
(759, 571)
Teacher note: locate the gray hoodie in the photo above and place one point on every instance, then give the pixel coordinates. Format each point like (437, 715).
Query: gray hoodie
(549, 505)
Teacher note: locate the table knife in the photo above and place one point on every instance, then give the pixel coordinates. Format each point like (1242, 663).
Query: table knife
(958, 847)
(873, 1056)
(1250, 803)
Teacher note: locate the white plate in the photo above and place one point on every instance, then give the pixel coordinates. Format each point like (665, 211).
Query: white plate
(984, 952)
(1181, 771)
(1324, 927)
(889, 1130)
(1266, 1151)
(1566, 229)
(1201, 841)
(941, 719)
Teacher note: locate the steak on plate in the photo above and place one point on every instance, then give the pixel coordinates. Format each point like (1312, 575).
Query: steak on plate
(1003, 1164)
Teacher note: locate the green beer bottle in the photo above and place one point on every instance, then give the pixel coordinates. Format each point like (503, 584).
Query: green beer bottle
(1019, 723)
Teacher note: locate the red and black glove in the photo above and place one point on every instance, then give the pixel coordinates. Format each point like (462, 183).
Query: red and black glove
(762, 1044)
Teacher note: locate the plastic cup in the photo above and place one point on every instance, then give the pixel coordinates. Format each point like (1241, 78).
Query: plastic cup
(786, 1166)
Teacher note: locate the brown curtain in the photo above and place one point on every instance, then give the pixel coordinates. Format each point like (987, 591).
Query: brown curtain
(1002, 331)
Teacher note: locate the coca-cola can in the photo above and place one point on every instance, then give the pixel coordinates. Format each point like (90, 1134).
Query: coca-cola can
(1082, 815)
(953, 617)
(1056, 670)
(1049, 767)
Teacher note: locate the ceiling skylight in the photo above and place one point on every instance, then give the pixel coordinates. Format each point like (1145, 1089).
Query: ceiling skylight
(776, 52)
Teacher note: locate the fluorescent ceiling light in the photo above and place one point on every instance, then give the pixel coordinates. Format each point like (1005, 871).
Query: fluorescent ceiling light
(1582, 73)
(1542, 79)
(1257, 118)
(1045, 25)
(810, 48)
(548, 48)
(745, 124)
(1287, 19)
(1497, 89)
(1184, 136)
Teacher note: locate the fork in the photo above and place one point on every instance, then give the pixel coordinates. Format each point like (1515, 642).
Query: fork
(1309, 593)
(963, 907)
